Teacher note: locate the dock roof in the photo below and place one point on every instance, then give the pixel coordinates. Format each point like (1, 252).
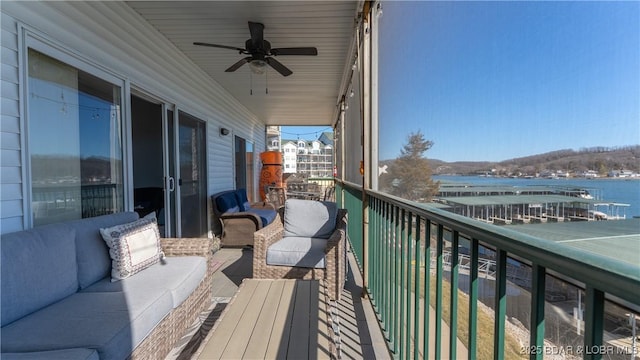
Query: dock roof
(616, 239)
(501, 200)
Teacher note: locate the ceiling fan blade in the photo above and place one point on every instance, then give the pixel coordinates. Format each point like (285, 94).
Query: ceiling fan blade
(295, 51)
(243, 51)
(237, 65)
(277, 66)
(257, 34)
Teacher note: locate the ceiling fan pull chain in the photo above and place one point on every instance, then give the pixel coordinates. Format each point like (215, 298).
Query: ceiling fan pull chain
(266, 78)
(250, 83)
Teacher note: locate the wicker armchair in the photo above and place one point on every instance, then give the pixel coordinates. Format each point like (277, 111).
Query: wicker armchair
(334, 272)
(171, 329)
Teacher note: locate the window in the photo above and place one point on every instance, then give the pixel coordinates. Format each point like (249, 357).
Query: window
(75, 142)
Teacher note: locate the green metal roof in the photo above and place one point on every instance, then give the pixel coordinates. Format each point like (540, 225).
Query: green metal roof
(517, 200)
(617, 239)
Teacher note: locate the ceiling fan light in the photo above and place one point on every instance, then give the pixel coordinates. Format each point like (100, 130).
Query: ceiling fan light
(258, 67)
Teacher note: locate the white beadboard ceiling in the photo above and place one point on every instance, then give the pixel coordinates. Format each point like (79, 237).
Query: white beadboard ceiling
(308, 96)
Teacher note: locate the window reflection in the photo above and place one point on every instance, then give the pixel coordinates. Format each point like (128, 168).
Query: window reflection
(75, 142)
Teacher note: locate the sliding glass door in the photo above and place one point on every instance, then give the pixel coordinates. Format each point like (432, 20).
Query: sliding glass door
(193, 176)
(169, 168)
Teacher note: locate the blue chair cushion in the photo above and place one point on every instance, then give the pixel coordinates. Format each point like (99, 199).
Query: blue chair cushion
(243, 200)
(38, 269)
(266, 215)
(226, 201)
(309, 218)
(305, 252)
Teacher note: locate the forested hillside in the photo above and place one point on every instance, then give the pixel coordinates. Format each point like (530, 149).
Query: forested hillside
(599, 159)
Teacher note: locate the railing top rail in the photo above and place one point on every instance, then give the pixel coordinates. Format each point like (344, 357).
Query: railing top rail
(617, 278)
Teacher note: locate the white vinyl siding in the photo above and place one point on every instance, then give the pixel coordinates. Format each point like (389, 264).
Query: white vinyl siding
(112, 36)
(11, 194)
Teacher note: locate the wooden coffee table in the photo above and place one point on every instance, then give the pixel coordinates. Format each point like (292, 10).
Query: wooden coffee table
(273, 319)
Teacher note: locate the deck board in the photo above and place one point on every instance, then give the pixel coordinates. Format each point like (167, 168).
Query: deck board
(224, 330)
(257, 347)
(272, 319)
(298, 342)
(276, 350)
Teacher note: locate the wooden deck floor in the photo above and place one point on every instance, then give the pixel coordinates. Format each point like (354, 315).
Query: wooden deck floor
(359, 333)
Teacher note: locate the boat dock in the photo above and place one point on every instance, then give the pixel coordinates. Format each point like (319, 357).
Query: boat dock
(506, 205)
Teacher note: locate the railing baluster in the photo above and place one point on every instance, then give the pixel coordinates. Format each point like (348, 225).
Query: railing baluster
(401, 285)
(501, 304)
(409, 263)
(373, 241)
(387, 267)
(439, 271)
(536, 339)
(473, 300)
(453, 326)
(416, 294)
(427, 286)
(394, 303)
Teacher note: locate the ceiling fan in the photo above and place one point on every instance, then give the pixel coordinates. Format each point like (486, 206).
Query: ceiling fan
(260, 52)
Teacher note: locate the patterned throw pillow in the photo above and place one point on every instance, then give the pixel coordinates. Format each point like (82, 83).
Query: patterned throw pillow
(133, 247)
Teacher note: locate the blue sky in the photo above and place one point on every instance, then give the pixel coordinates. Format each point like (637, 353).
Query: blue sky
(498, 80)
(303, 132)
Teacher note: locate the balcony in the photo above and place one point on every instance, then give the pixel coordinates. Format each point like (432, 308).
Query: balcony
(499, 293)
(424, 283)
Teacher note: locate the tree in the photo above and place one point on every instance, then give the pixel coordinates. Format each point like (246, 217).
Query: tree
(409, 175)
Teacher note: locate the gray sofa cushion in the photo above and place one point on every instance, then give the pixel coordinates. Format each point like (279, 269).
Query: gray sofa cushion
(94, 262)
(66, 354)
(180, 275)
(296, 251)
(38, 269)
(113, 323)
(309, 218)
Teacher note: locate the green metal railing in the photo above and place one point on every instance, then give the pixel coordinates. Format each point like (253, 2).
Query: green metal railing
(418, 258)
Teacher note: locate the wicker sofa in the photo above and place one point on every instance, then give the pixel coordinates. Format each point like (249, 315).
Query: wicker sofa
(309, 242)
(58, 300)
(238, 218)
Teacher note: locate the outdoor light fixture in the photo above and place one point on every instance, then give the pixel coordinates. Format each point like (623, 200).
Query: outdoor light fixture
(224, 131)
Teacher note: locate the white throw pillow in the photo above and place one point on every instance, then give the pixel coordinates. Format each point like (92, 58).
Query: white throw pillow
(133, 247)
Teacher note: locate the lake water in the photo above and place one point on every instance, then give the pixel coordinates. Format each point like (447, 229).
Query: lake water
(626, 191)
